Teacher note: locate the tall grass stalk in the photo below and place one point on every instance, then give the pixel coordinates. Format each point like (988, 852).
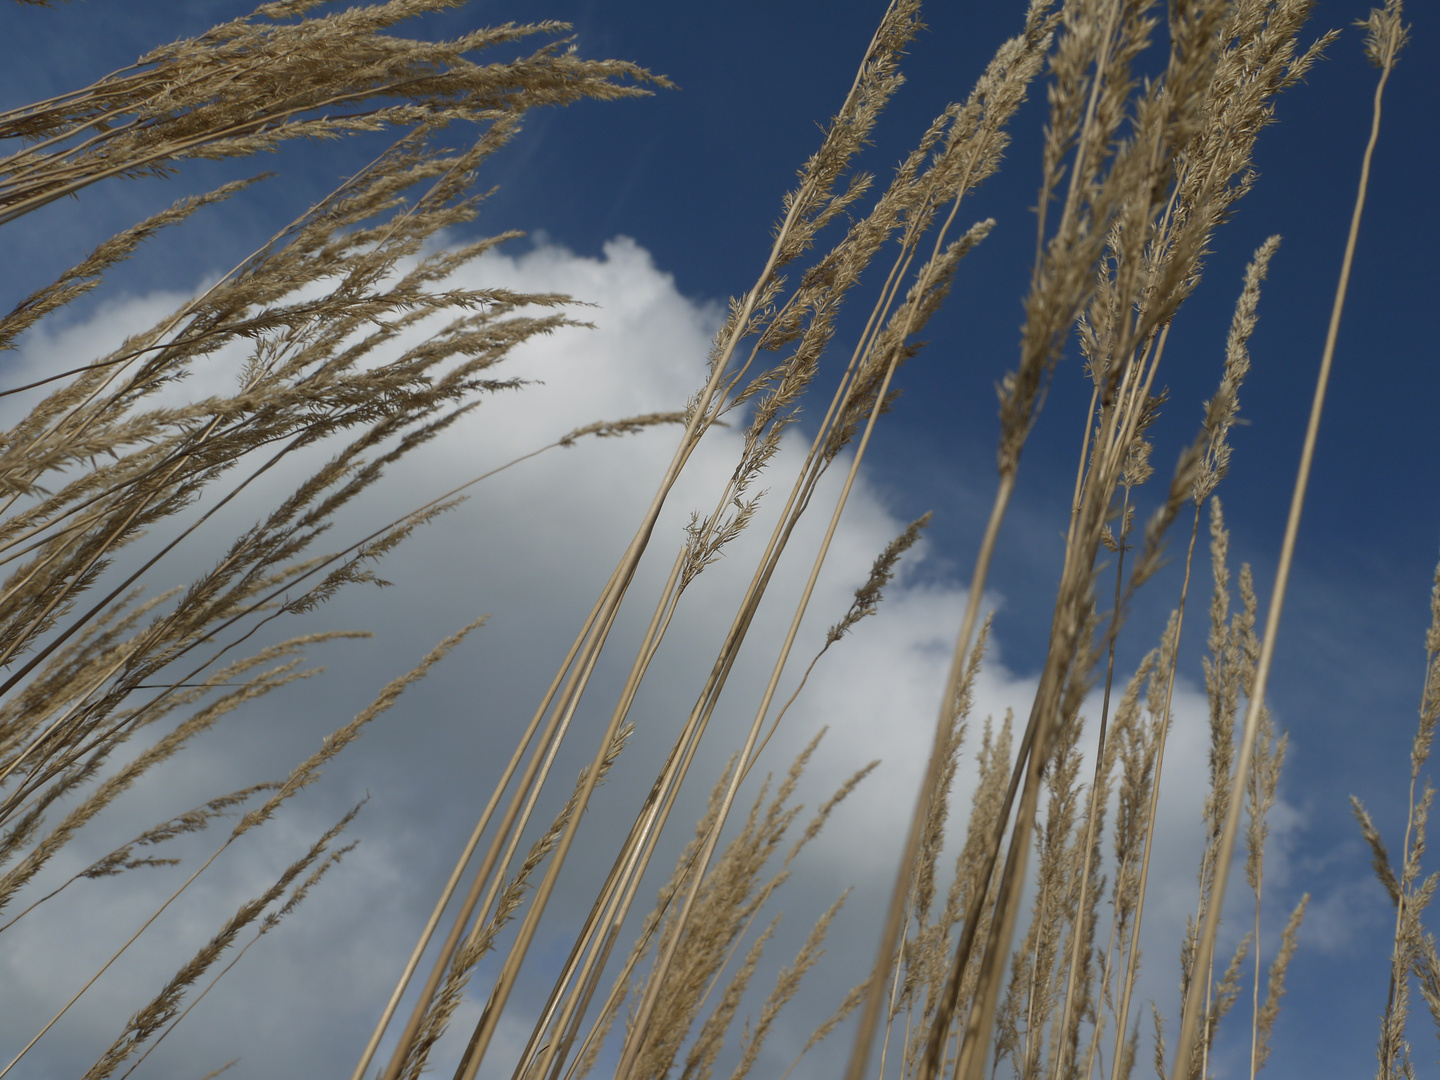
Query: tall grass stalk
(360, 345)
(1386, 36)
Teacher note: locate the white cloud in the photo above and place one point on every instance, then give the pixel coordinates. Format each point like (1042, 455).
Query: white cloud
(532, 547)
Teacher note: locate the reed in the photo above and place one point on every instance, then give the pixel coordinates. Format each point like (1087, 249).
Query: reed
(1148, 145)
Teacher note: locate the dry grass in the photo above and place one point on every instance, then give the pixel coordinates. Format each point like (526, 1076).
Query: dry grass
(1138, 175)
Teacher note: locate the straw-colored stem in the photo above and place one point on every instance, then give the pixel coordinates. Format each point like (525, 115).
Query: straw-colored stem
(647, 1006)
(894, 993)
(1104, 979)
(559, 719)
(1091, 819)
(1025, 1066)
(609, 606)
(1115, 437)
(634, 854)
(865, 1032)
(1190, 1018)
(1255, 990)
(455, 875)
(1132, 957)
(116, 956)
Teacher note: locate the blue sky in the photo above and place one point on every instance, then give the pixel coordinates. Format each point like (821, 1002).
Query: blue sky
(693, 177)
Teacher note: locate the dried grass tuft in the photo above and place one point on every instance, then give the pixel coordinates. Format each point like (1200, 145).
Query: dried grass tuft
(1148, 146)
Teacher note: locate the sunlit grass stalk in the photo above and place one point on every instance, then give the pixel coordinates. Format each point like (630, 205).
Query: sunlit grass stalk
(762, 712)
(802, 493)
(704, 411)
(1214, 468)
(1020, 402)
(510, 970)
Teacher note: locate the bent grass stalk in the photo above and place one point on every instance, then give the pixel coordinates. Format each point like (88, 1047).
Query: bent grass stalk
(1017, 428)
(627, 1062)
(394, 529)
(710, 695)
(76, 530)
(700, 416)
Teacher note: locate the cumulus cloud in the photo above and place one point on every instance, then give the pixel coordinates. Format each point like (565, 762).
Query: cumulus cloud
(532, 547)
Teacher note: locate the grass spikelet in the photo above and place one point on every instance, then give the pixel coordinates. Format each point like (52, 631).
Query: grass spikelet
(1412, 950)
(922, 954)
(609, 429)
(590, 1050)
(308, 771)
(125, 858)
(1275, 987)
(270, 922)
(727, 898)
(164, 1007)
(302, 776)
(700, 1064)
(848, 1005)
(1383, 45)
(126, 777)
(786, 987)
